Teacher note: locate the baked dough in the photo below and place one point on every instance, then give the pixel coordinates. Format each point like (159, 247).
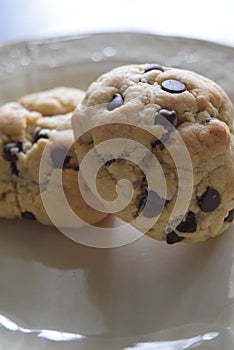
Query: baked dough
(169, 114)
(34, 123)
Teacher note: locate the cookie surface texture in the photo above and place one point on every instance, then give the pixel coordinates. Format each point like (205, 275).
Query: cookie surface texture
(142, 113)
(35, 123)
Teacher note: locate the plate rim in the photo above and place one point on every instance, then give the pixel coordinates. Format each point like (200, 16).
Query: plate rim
(76, 36)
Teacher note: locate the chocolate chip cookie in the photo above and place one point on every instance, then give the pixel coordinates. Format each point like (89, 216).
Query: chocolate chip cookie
(35, 123)
(169, 132)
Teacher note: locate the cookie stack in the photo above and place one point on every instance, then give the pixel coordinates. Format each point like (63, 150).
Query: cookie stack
(153, 145)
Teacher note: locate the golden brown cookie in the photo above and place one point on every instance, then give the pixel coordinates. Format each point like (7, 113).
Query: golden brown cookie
(179, 118)
(33, 180)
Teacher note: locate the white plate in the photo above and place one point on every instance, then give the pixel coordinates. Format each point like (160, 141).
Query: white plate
(57, 294)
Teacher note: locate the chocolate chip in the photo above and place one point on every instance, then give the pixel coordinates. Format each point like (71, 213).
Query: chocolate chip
(173, 238)
(209, 201)
(161, 142)
(154, 205)
(14, 170)
(153, 67)
(116, 102)
(166, 118)
(41, 134)
(209, 119)
(230, 216)
(11, 150)
(60, 158)
(28, 215)
(156, 143)
(142, 201)
(173, 86)
(189, 224)
(66, 163)
(109, 162)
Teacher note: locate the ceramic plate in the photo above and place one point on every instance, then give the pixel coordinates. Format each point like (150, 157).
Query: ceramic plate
(58, 294)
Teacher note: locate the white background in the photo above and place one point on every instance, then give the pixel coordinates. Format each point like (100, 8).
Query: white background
(204, 19)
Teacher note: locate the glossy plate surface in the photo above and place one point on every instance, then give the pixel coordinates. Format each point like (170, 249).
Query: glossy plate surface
(57, 294)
